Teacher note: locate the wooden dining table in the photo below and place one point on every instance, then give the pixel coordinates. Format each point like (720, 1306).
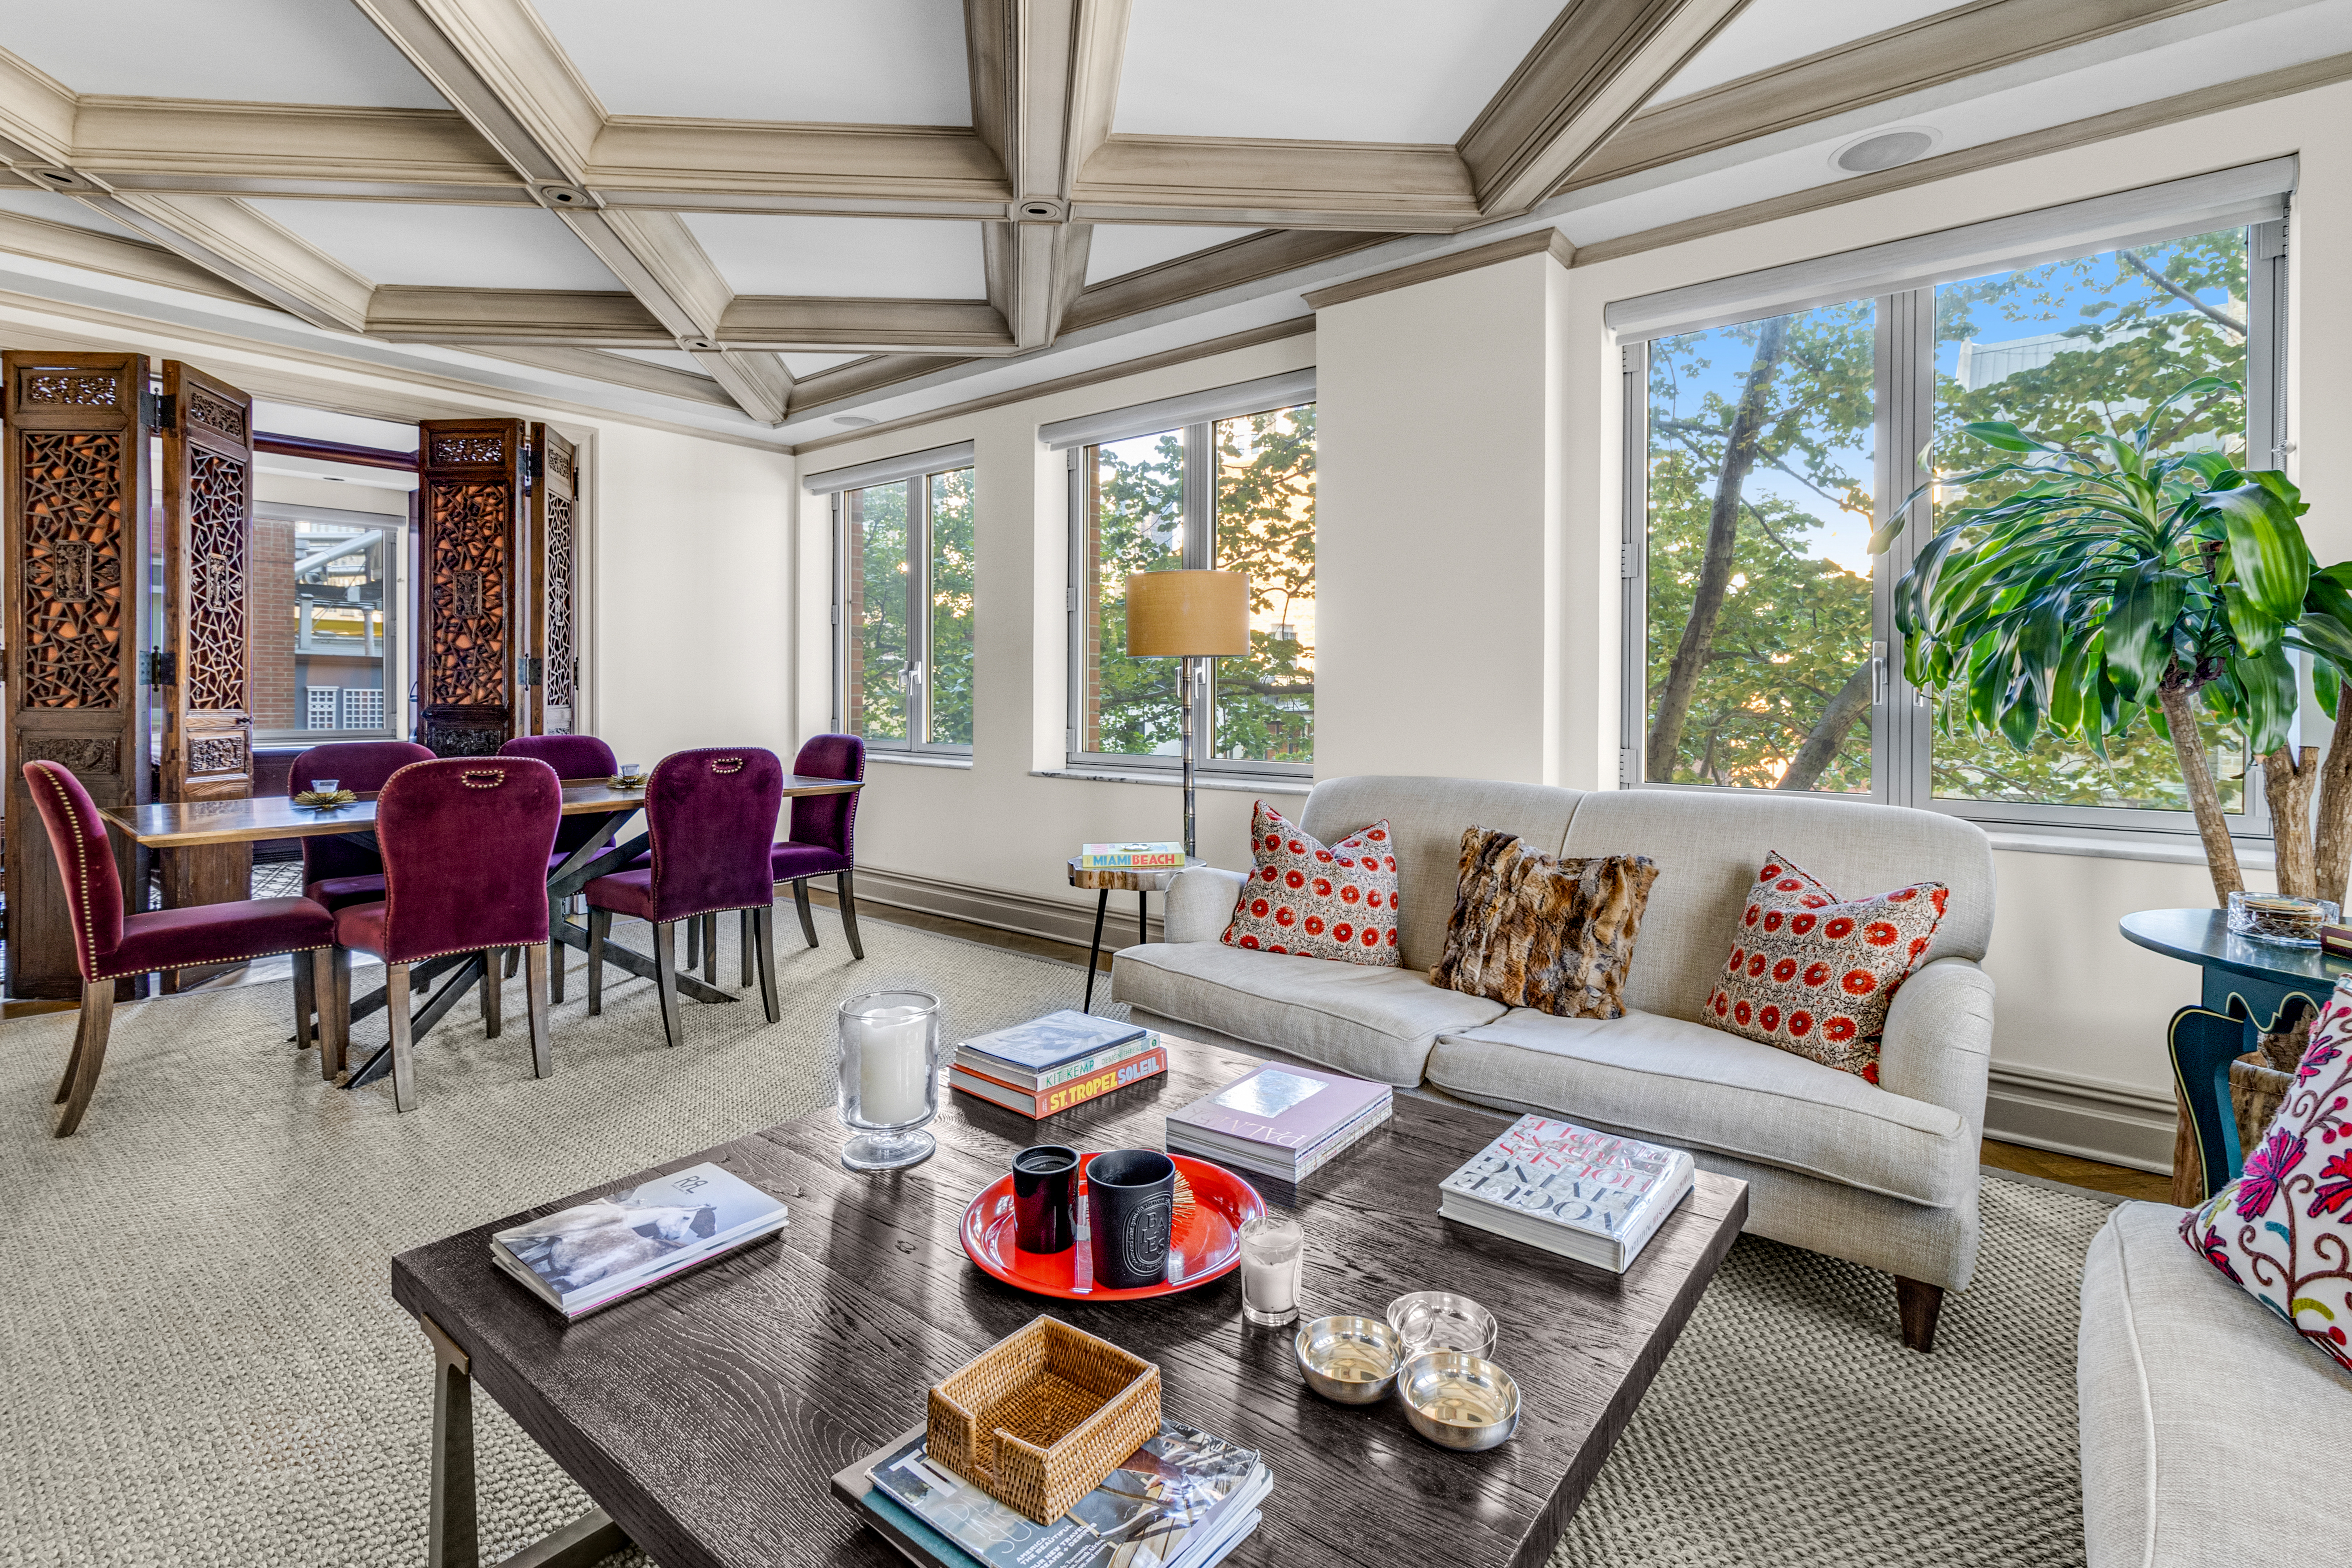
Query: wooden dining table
(182, 824)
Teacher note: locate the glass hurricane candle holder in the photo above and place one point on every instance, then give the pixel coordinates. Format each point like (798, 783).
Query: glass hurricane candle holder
(890, 1082)
(2280, 921)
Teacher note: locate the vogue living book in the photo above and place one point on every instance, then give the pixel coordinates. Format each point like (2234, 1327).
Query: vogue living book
(1039, 1103)
(1174, 1503)
(1044, 1043)
(1277, 1120)
(1590, 1196)
(591, 1254)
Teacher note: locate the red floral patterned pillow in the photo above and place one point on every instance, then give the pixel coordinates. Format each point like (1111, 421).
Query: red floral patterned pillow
(1339, 902)
(1814, 974)
(2282, 1231)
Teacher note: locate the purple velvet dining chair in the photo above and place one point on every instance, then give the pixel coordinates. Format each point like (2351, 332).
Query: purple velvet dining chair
(576, 759)
(110, 945)
(465, 841)
(336, 870)
(823, 841)
(711, 815)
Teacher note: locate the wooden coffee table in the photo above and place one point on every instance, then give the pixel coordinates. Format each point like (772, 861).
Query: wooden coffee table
(706, 1418)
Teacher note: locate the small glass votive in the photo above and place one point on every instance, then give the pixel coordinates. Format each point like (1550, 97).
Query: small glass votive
(326, 787)
(1274, 1250)
(889, 1079)
(2278, 919)
(631, 770)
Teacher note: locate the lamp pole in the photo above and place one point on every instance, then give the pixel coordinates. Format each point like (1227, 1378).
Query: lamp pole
(1191, 664)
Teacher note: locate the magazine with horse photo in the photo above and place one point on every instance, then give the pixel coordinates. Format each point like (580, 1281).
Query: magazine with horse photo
(596, 1251)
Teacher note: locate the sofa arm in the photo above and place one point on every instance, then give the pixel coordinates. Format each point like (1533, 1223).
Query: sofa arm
(1201, 903)
(1938, 1041)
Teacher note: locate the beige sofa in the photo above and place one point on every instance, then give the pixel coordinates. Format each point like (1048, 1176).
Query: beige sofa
(1885, 1176)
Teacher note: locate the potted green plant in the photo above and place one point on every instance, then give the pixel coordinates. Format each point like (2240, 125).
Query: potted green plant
(2113, 584)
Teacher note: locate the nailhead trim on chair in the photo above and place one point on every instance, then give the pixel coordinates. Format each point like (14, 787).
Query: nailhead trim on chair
(237, 958)
(81, 867)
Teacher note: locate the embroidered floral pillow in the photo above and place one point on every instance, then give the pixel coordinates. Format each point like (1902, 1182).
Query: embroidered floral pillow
(1339, 902)
(2283, 1231)
(1814, 974)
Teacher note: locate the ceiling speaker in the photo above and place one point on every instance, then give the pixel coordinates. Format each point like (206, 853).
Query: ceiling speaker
(1884, 151)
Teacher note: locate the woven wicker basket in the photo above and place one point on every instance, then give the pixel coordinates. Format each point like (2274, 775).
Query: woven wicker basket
(1043, 1415)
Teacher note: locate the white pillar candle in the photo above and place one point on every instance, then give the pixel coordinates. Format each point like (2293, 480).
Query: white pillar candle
(1271, 1287)
(894, 1064)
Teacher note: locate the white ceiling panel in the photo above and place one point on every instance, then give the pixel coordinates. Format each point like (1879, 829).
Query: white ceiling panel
(54, 208)
(668, 359)
(809, 364)
(322, 424)
(1119, 248)
(851, 258)
(1343, 71)
(881, 62)
(1774, 32)
(446, 247)
(253, 51)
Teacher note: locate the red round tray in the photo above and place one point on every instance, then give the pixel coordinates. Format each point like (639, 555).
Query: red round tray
(1203, 1245)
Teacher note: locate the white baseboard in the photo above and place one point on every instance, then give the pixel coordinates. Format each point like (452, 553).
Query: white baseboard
(2083, 1117)
(1003, 909)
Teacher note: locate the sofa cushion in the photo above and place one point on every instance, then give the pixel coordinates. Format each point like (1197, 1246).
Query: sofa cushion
(1374, 1023)
(2190, 1392)
(1706, 845)
(1425, 818)
(1695, 1087)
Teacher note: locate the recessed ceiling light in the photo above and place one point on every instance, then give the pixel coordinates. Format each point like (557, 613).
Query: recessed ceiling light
(1885, 150)
(852, 421)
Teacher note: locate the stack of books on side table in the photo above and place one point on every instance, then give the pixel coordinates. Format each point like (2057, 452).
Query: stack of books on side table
(1280, 1121)
(1184, 1500)
(592, 1254)
(1593, 1197)
(1052, 1063)
(1156, 857)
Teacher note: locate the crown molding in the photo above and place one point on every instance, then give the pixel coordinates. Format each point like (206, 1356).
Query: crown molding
(1540, 242)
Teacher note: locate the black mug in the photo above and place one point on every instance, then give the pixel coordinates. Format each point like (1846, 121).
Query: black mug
(1130, 1204)
(1044, 1189)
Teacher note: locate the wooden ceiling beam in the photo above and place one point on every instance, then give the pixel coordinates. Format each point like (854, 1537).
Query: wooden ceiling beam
(617, 370)
(1261, 183)
(200, 148)
(233, 241)
(959, 327)
(1595, 66)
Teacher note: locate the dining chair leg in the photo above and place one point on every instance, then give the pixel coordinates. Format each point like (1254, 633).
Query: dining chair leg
(710, 948)
(73, 1062)
(318, 967)
(493, 1015)
(403, 1045)
(849, 915)
(535, 1000)
(335, 1004)
(600, 923)
(801, 902)
(305, 1003)
(97, 1022)
(666, 973)
(557, 963)
(764, 927)
(693, 940)
(514, 961)
(743, 940)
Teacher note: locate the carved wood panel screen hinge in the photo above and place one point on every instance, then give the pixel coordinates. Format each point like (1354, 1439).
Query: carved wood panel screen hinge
(475, 574)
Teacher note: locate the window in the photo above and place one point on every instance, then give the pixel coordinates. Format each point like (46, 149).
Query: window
(328, 590)
(904, 607)
(1234, 493)
(1764, 452)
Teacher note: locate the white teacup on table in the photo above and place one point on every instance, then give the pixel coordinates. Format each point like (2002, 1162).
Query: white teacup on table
(325, 786)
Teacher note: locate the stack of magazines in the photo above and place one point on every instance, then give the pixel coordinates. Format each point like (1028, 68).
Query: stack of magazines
(1284, 1121)
(592, 1254)
(1593, 1197)
(1052, 1063)
(1184, 1500)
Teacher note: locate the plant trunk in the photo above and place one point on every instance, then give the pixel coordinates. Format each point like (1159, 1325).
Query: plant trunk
(2179, 705)
(2334, 858)
(1674, 700)
(1847, 705)
(2287, 784)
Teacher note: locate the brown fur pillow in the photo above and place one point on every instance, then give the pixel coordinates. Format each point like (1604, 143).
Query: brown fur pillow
(1532, 930)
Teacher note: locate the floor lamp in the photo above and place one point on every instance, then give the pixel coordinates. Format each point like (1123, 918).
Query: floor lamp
(1189, 616)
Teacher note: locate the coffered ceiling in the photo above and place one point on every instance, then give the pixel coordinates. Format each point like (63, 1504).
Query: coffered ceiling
(756, 213)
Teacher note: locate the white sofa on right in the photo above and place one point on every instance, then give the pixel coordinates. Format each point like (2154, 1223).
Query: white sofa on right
(1884, 1175)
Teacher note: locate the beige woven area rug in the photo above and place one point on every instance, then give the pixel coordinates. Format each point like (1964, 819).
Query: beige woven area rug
(202, 1363)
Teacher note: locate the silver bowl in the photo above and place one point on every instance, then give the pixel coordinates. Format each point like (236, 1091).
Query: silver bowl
(1349, 1360)
(1457, 1401)
(1441, 1320)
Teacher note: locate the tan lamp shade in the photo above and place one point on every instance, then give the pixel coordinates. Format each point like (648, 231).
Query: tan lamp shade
(1170, 615)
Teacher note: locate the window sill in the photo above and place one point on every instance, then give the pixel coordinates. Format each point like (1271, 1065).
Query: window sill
(2168, 850)
(1224, 783)
(918, 759)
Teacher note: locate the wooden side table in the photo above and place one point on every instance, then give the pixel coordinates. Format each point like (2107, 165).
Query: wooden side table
(1141, 883)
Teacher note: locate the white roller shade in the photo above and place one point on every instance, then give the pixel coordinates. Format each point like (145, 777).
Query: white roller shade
(1174, 413)
(888, 470)
(2253, 193)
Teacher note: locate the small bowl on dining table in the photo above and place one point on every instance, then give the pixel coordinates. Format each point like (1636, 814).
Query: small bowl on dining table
(1459, 1401)
(1349, 1360)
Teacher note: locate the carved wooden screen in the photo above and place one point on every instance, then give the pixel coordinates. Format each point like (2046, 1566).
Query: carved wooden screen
(473, 573)
(555, 637)
(77, 485)
(207, 674)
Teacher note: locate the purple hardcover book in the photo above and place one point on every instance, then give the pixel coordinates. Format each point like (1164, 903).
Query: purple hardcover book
(1287, 1106)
